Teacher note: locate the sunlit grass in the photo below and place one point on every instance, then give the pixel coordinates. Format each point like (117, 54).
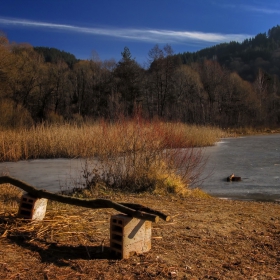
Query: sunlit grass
(69, 141)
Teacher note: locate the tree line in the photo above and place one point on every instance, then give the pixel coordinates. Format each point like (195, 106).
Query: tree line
(47, 85)
(261, 51)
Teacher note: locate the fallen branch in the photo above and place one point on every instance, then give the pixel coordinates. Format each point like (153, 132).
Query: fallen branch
(127, 208)
(140, 207)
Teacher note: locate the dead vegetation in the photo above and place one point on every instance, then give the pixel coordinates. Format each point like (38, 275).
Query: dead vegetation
(207, 238)
(88, 140)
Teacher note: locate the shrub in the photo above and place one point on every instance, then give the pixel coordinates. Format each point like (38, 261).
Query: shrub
(142, 160)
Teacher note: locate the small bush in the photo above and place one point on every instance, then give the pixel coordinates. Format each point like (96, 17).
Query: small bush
(142, 160)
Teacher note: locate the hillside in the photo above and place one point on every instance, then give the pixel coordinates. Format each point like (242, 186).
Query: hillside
(53, 55)
(262, 51)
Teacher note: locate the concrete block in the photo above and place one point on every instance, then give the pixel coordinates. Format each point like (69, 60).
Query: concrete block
(129, 235)
(32, 208)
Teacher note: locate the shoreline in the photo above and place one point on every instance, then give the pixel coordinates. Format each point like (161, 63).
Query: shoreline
(256, 198)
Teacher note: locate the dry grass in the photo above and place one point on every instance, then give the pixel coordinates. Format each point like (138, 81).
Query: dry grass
(48, 142)
(69, 141)
(205, 239)
(63, 222)
(9, 195)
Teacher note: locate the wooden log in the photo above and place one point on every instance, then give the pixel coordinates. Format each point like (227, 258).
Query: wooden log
(152, 215)
(146, 209)
(233, 178)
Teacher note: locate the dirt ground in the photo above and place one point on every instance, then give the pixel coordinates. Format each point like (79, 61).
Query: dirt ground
(205, 239)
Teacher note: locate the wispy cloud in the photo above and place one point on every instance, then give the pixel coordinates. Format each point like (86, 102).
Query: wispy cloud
(258, 7)
(147, 35)
(261, 9)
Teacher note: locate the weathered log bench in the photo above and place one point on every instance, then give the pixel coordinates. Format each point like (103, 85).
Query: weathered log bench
(128, 233)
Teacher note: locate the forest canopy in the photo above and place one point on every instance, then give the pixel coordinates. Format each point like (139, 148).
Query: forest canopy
(246, 58)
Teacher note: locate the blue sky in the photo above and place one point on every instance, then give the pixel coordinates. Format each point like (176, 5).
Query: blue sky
(107, 26)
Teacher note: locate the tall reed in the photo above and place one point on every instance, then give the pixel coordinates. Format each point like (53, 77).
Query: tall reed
(69, 141)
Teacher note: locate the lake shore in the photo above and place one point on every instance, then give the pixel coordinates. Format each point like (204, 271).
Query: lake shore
(205, 239)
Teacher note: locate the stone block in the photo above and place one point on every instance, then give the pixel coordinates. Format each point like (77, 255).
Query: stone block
(129, 235)
(32, 208)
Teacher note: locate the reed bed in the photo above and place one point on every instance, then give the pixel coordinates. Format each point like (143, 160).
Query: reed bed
(133, 156)
(70, 141)
(43, 141)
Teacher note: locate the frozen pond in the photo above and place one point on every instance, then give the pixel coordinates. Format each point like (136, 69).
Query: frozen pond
(49, 174)
(256, 159)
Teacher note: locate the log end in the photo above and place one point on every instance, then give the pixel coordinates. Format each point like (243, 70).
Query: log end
(156, 219)
(233, 178)
(167, 219)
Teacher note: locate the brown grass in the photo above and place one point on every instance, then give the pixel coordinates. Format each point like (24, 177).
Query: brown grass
(69, 141)
(9, 195)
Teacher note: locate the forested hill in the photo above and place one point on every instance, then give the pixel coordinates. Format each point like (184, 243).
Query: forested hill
(53, 55)
(262, 51)
(45, 84)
